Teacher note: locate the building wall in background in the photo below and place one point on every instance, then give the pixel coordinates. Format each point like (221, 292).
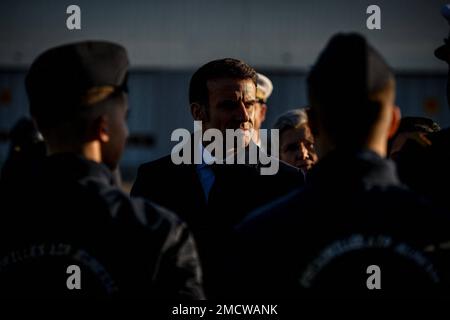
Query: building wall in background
(174, 34)
(159, 104)
(168, 39)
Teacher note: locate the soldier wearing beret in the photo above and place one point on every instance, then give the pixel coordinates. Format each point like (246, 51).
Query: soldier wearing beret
(70, 214)
(214, 198)
(425, 168)
(27, 150)
(353, 216)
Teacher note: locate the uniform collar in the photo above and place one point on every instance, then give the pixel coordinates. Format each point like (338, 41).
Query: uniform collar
(75, 167)
(362, 169)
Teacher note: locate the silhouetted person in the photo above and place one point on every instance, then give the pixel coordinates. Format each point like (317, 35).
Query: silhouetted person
(425, 168)
(353, 216)
(417, 150)
(71, 215)
(296, 139)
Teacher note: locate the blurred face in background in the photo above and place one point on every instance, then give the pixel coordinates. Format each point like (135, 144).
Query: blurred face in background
(297, 147)
(260, 116)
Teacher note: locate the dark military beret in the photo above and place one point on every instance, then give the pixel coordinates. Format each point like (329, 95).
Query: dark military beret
(71, 76)
(347, 71)
(443, 52)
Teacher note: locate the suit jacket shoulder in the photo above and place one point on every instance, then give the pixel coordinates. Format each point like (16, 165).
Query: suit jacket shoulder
(151, 173)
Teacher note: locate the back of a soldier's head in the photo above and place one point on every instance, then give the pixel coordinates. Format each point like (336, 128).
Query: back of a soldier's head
(350, 90)
(77, 95)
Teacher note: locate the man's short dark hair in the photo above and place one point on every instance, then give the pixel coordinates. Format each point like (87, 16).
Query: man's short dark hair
(222, 68)
(346, 74)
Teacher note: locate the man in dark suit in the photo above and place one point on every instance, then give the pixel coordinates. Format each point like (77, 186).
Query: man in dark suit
(353, 229)
(213, 198)
(66, 229)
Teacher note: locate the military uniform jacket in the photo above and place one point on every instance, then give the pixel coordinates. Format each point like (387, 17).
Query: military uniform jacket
(325, 239)
(71, 214)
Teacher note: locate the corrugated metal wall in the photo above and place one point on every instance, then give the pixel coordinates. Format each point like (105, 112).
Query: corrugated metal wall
(159, 104)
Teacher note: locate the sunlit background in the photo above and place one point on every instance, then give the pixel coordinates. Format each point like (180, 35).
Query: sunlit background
(167, 40)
